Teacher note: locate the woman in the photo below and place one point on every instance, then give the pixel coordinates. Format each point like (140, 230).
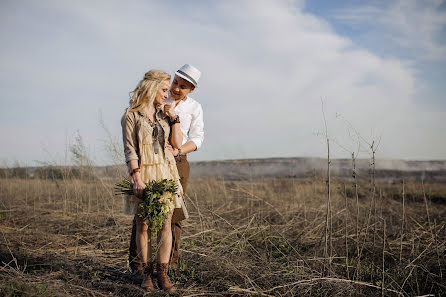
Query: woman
(146, 130)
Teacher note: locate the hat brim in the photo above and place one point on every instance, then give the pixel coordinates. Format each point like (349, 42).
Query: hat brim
(189, 79)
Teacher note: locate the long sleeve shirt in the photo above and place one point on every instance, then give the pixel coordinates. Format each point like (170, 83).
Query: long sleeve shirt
(191, 120)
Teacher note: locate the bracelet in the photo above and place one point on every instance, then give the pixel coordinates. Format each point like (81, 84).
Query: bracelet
(179, 153)
(175, 120)
(135, 170)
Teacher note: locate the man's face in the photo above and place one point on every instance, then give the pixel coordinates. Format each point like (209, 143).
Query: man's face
(180, 88)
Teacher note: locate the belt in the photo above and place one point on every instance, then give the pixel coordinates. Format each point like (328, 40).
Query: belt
(181, 157)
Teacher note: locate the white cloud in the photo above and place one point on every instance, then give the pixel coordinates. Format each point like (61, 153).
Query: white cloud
(265, 65)
(413, 25)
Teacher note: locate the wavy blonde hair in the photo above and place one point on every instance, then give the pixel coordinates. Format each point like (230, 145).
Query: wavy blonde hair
(146, 90)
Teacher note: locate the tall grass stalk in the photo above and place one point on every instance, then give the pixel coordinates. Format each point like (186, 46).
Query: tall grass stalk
(328, 251)
(355, 184)
(346, 232)
(403, 219)
(383, 266)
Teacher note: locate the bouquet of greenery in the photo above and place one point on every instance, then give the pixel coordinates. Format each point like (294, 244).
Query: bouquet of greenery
(157, 201)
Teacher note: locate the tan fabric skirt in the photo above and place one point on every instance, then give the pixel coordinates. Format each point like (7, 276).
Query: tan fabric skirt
(154, 172)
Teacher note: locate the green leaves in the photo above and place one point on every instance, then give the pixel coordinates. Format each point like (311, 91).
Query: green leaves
(157, 200)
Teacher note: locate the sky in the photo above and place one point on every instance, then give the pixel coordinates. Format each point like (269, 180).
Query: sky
(276, 75)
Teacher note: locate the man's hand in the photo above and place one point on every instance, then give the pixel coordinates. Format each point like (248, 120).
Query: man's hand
(170, 111)
(174, 151)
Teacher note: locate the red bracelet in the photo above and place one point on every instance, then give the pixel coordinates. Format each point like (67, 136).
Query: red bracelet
(135, 171)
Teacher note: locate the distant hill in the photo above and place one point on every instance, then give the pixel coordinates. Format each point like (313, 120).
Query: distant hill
(307, 167)
(245, 169)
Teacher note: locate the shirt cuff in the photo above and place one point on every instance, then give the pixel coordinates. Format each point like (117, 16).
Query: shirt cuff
(197, 142)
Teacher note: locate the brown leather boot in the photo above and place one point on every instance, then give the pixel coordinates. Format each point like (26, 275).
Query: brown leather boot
(163, 279)
(137, 275)
(147, 283)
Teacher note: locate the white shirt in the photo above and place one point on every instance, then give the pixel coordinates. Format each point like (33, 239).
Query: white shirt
(191, 119)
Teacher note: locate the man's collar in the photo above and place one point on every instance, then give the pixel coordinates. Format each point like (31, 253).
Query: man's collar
(184, 100)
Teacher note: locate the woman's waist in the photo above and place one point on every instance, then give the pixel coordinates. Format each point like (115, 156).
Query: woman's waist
(149, 157)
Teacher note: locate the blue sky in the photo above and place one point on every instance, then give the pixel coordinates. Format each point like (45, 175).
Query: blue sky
(379, 66)
(408, 30)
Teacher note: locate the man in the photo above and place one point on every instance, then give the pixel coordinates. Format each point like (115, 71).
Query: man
(191, 123)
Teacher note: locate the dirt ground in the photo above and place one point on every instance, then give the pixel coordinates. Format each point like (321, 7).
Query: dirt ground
(266, 237)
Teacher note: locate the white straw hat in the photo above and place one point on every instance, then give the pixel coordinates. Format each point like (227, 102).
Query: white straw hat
(189, 73)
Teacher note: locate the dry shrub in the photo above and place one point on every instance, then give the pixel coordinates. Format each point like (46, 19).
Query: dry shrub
(262, 237)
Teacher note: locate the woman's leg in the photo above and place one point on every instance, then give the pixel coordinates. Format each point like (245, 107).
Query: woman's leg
(134, 261)
(142, 237)
(149, 246)
(165, 240)
(144, 248)
(165, 245)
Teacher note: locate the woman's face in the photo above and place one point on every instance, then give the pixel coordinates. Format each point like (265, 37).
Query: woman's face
(163, 92)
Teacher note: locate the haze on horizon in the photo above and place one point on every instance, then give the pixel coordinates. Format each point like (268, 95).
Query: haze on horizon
(267, 65)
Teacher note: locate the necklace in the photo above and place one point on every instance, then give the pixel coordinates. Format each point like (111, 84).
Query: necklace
(156, 133)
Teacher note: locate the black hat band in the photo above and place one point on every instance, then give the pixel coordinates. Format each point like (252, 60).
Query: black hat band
(188, 77)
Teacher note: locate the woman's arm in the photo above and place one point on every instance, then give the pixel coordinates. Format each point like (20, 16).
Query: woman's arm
(138, 184)
(129, 137)
(131, 151)
(176, 137)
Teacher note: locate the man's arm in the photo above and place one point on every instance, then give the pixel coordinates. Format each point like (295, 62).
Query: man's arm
(196, 132)
(188, 147)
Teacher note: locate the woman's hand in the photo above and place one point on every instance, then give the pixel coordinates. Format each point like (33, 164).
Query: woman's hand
(170, 111)
(138, 188)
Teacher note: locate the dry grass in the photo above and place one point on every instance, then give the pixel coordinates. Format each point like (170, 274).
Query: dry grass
(251, 238)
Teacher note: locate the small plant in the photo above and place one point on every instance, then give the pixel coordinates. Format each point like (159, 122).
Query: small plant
(95, 275)
(17, 288)
(184, 272)
(40, 288)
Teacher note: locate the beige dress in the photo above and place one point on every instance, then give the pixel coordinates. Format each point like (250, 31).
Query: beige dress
(155, 162)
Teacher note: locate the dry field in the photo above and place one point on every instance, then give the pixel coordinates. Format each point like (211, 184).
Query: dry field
(264, 237)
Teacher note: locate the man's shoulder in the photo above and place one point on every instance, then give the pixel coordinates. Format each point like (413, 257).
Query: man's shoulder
(192, 102)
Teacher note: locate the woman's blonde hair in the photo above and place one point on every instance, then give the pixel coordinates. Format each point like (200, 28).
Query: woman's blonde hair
(145, 92)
